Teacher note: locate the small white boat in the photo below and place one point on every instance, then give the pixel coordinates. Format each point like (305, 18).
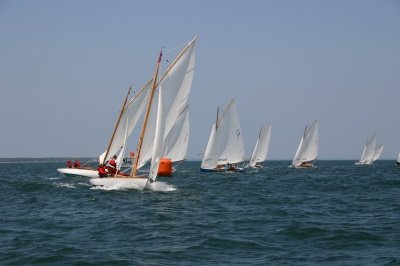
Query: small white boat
(225, 146)
(371, 152)
(261, 149)
(307, 151)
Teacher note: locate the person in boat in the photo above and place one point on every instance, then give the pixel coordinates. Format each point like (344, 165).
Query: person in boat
(77, 164)
(229, 167)
(305, 164)
(69, 164)
(112, 165)
(102, 170)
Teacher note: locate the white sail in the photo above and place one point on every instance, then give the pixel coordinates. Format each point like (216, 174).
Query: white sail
(211, 155)
(148, 139)
(378, 152)
(177, 140)
(159, 134)
(398, 158)
(226, 143)
(176, 83)
(262, 145)
(230, 137)
(131, 115)
(369, 151)
(308, 147)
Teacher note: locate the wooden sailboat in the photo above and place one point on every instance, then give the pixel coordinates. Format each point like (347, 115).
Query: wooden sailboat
(225, 146)
(261, 149)
(163, 103)
(127, 119)
(307, 151)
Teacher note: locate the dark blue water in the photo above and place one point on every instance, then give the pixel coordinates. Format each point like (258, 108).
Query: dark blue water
(337, 214)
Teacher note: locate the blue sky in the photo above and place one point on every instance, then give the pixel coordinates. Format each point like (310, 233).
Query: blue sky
(66, 65)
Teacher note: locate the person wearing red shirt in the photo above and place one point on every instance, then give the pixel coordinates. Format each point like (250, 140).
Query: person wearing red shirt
(112, 165)
(69, 164)
(102, 170)
(77, 164)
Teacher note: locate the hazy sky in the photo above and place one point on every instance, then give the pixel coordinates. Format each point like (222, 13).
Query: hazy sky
(65, 67)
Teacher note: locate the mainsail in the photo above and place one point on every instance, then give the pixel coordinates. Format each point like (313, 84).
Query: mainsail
(225, 144)
(308, 147)
(176, 83)
(262, 145)
(369, 151)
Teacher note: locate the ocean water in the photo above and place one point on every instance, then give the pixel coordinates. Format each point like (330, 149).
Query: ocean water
(337, 214)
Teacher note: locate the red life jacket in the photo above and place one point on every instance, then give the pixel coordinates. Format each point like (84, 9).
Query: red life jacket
(102, 171)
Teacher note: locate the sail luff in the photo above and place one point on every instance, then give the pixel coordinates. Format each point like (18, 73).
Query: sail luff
(158, 138)
(116, 125)
(135, 166)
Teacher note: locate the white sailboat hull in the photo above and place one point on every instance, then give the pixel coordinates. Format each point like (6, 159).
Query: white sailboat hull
(138, 183)
(78, 172)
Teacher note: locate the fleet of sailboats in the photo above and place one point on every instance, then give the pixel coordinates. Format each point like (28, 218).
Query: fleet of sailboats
(161, 105)
(225, 148)
(307, 151)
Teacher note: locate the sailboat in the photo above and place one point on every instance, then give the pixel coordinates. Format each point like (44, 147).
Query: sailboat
(307, 151)
(128, 117)
(398, 159)
(172, 91)
(261, 149)
(371, 151)
(225, 146)
(163, 101)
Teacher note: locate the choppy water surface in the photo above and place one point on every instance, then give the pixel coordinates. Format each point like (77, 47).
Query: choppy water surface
(337, 214)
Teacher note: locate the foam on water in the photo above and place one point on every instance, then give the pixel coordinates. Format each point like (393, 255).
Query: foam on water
(161, 187)
(66, 185)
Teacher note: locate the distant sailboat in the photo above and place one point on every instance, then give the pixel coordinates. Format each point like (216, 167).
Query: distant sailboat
(262, 145)
(398, 159)
(371, 151)
(225, 146)
(307, 151)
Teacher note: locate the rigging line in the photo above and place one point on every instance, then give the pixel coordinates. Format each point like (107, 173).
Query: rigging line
(174, 48)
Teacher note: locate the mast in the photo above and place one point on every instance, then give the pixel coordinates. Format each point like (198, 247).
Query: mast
(116, 125)
(146, 118)
(216, 122)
